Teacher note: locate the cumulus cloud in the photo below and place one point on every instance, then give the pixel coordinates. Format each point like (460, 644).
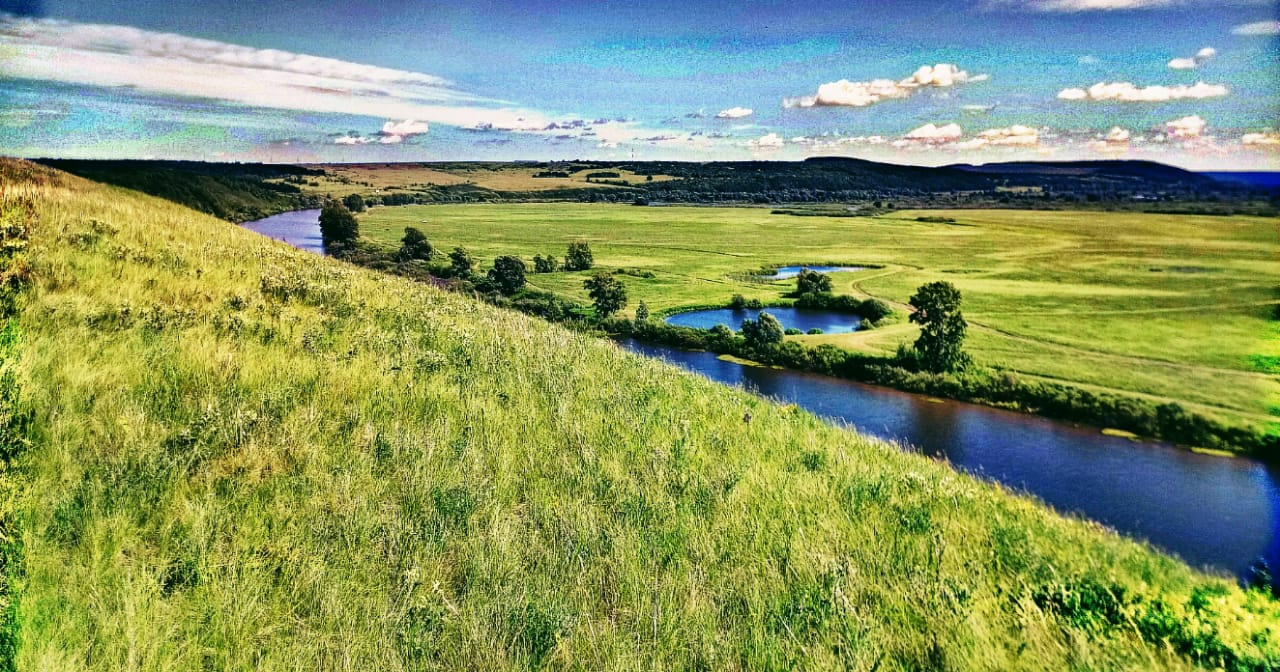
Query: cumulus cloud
(734, 113)
(1268, 139)
(1011, 136)
(1129, 93)
(933, 133)
(845, 93)
(1193, 62)
(930, 135)
(1258, 28)
(770, 141)
(165, 63)
(1116, 141)
(350, 140)
(1103, 5)
(1185, 127)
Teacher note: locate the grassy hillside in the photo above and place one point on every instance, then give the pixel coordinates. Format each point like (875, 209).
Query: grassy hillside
(1171, 307)
(239, 456)
(231, 191)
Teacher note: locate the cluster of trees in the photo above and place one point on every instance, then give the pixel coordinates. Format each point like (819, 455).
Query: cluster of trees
(813, 290)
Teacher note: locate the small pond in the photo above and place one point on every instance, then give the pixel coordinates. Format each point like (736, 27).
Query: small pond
(785, 272)
(791, 318)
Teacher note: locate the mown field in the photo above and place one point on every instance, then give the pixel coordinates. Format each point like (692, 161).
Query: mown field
(1170, 307)
(222, 453)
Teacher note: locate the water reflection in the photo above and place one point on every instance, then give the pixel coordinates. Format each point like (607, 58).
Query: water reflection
(1210, 511)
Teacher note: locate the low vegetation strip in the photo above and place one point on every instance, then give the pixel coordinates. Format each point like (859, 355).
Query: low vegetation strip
(242, 456)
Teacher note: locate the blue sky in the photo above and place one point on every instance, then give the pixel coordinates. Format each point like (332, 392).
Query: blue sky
(1190, 82)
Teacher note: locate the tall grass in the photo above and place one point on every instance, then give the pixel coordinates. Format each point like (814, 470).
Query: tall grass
(245, 457)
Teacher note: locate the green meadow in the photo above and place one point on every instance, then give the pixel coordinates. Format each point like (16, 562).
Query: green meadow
(222, 453)
(1165, 307)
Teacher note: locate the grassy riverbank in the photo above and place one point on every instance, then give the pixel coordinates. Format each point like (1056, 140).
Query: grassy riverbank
(1168, 308)
(237, 455)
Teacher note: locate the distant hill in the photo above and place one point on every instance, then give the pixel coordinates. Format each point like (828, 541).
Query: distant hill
(1148, 174)
(1259, 179)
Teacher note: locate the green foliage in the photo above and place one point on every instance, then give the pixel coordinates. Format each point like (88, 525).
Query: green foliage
(543, 264)
(762, 333)
(812, 282)
(608, 295)
(354, 203)
(508, 273)
(740, 302)
(461, 263)
(642, 312)
(337, 225)
(942, 330)
(414, 246)
(579, 257)
(236, 192)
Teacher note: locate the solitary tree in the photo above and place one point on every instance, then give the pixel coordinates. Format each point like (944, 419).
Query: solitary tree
(608, 295)
(763, 332)
(942, 327)
(508, 273)
(354, 203)
(337, 224)
(642, 312)
(460, 263)
(414, 245)
(578, 258)
(812, 282)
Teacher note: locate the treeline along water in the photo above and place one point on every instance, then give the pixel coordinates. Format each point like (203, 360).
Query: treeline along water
(1221, 513)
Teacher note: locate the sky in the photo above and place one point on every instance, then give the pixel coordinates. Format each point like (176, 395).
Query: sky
(1193, 83)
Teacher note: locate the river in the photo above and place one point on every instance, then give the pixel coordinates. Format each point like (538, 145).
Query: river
(1213, 512)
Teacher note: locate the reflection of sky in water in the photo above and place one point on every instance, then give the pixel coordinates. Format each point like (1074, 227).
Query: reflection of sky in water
(791, 318)
(1217, 512)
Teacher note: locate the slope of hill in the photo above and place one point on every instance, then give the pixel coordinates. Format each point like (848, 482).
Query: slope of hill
(235, 192)
(227, 454)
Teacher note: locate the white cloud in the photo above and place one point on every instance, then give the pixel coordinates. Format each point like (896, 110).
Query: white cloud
(734, 113)
(1116, 141)
(165, 63)
(406, 128)
(930, 135)
(350, 140)
(1258, 28)
(1129, 93)
(1193, 62)
(1270, 139)
(845, 93)
(391, 139)
(1185, 127)
(1012, 136)
(1109, 5)
(1117, 134)
(770, 141)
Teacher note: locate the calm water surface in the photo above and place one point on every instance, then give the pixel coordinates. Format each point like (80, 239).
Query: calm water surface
(785, 272)
(798, 318)
(300, 228)
(1220, 513)
(1213, 512)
